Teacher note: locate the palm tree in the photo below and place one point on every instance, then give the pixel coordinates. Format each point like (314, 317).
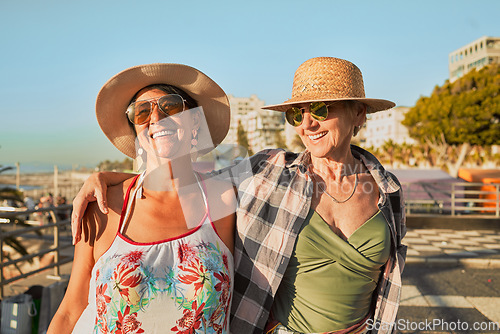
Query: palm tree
(3, 169)
(389, 147)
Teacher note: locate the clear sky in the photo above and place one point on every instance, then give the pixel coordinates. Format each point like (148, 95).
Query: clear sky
(55, 56)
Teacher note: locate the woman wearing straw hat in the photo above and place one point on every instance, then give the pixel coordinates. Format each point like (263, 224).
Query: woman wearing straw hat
(318, 248)
(161, 261)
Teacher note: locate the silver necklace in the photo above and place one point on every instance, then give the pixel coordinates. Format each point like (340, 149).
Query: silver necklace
(323, 189)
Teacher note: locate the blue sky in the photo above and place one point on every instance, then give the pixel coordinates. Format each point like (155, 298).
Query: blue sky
(55, 56)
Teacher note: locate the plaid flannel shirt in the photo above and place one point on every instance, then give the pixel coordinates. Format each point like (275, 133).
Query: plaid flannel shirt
(274, 197)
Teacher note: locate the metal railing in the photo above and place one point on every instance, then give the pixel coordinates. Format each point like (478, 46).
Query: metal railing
(50, 224)
(454, 199)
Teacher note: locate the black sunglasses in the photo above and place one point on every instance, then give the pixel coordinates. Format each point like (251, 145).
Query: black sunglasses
(318, 111)
(139, 112)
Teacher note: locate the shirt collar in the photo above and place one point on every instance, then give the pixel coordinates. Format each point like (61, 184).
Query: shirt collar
(301, 162)
(385, 180)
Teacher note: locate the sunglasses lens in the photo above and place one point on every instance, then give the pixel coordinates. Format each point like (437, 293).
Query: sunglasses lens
(319, 111)
(171, 104)
(138, 112)
(294, 116)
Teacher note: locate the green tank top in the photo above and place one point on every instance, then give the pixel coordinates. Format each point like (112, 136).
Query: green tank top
(329, 283)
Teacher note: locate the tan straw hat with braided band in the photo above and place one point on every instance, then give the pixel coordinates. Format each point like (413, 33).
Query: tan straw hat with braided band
(116, 94)
(329, 79)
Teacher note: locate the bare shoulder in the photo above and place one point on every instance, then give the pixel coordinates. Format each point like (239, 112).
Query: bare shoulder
(218, 188)
(92, 223)
(221, 197)
(99, 229)
(116, 196)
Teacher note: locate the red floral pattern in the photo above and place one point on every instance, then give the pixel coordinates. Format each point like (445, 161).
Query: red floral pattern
(198, 283)
(127, 323)
(186, 253)
(125, 280)
(195, 274)
(190, 321)
(101, 299)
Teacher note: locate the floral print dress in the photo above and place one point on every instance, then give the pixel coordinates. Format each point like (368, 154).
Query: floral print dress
(180, 285)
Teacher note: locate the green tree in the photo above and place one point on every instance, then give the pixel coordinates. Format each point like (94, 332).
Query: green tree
(298, 144)
(389, 149)
(458, 116)
(124, 165)
(242, 138)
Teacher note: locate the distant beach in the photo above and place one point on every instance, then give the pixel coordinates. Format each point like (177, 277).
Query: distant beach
(37, 184)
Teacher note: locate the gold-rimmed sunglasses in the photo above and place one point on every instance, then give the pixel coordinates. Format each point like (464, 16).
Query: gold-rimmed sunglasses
(318, 111)
(139, 112)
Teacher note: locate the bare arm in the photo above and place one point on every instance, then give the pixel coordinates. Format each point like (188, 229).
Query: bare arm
(76, 297)
(94, 189)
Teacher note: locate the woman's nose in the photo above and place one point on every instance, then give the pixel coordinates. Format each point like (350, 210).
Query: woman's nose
(307, 120)
(156, 114)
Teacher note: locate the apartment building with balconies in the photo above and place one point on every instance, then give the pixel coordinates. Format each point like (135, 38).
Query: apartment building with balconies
(383, 126)
(475, 55)
(260, 125)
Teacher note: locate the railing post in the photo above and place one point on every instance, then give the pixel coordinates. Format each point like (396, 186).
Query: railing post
(498, 201)
(408, 209)
(1, 264)
(453, 199)
(57, 269)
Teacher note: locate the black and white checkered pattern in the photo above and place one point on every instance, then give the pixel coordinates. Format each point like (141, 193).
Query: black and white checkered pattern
(449, 243)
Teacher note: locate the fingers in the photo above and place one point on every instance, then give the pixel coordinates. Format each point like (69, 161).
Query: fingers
(79, 205)
(76, 231)
(100, 196)
(94, 189)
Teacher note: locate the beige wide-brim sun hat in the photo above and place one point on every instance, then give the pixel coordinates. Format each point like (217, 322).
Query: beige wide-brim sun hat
(116, 94)
(329, 79)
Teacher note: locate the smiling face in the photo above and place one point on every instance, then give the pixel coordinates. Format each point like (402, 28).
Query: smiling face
(331, 138)
(165, 136)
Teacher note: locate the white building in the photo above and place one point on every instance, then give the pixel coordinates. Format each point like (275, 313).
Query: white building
(477, 54)
(384, 125)
(293, 141)
(260, 125)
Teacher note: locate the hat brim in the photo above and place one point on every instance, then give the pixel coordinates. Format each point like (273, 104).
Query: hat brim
(116, 94)
(373, 105)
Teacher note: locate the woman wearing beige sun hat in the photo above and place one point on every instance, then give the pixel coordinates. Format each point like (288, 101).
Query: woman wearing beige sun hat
(318, 248)
(344, 273)
(161, 260)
